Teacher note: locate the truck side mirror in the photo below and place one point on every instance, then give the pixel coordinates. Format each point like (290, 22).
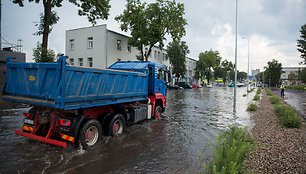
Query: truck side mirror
(168, 77)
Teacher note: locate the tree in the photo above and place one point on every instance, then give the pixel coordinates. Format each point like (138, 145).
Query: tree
(223, 70)
(260, 76)
(219, 72)
(292, 76)
(273, 72)
(53, 20)
(301, 43)
(302, 75)
(176, 52)
(93, 9)
(207, 61)
(150, 23)
(37, 52)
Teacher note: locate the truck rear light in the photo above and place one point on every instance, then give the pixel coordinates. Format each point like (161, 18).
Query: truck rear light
(65, 122)
(27, 115)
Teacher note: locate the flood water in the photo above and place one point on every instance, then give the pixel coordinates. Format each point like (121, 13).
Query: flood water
(169, 145)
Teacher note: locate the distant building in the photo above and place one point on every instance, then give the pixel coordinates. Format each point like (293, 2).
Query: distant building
(255, 72)
(286, 71)
(99, 47)
(19, 57)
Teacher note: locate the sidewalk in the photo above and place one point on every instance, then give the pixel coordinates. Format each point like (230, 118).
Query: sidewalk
(294, 98)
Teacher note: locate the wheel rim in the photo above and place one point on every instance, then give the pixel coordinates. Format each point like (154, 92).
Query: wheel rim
(118, 127)
(91, 135)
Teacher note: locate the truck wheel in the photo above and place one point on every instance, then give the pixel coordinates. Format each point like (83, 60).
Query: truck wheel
(90, 133)
(116, 125)
(157, 112)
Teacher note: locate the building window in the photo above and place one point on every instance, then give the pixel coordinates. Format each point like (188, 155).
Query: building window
(90, 42)
(71, 44)
(119, 45)
(129, 48)
(80, 61)
(158, 55)
(155, 54)
(90, 61)
(71, 61)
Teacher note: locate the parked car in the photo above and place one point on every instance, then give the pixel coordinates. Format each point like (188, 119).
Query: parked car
(174, 87)
(184, 84)
(196, 86)
(231, 84)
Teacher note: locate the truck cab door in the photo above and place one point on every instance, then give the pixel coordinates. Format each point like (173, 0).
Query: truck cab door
(161, 81)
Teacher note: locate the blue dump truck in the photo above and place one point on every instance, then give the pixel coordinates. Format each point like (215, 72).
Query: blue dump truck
(79, 105)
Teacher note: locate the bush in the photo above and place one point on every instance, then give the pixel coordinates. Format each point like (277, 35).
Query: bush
(274, 100)
(230, 151)
(252, 107)
(251, 90)
(244, 95)
(256, 97)
(258, 90)
(297, 87)
(268, 91)
(288, 116)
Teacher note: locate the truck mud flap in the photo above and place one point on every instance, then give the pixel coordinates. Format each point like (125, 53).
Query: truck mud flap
(42, 139)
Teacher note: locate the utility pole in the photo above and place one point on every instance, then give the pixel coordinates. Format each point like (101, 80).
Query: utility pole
(0, 25)
(235, 86)
(248, 74)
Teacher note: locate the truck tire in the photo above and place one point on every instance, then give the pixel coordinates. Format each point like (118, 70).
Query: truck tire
(157, 112)
(116, 125)
(90, 133)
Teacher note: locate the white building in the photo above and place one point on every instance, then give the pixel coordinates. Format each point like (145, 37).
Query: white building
(96, 46)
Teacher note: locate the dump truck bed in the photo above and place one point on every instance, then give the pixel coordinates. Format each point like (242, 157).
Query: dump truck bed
(61, 86)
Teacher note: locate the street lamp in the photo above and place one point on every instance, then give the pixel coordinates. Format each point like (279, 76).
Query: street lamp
(248, 62)
(235, 86)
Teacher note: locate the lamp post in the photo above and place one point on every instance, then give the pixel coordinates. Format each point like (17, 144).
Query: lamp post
(248, 76)
(235, 86)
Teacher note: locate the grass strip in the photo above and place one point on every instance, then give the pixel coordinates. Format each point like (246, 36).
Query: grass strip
(268, 91)
(274, 99)
(297, 87)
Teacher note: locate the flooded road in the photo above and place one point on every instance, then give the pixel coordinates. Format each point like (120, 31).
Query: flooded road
(169, 145)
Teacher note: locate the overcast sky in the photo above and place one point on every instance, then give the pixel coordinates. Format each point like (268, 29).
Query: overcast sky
(271, 25)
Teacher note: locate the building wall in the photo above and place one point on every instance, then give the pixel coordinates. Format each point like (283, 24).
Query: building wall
(19, 57)
(81, 49)
(109, 47)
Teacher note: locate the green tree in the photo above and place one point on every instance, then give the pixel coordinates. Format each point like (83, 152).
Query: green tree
(176, 52)
(208, 61)
(241, 75)
(37, 54)
(260, 76)
(302, 75)
(223, 71)
(151, 23)
(219, 72)
(273, 72)
(301, 43)
(93, 9)
(292, 76)
(41, 24)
